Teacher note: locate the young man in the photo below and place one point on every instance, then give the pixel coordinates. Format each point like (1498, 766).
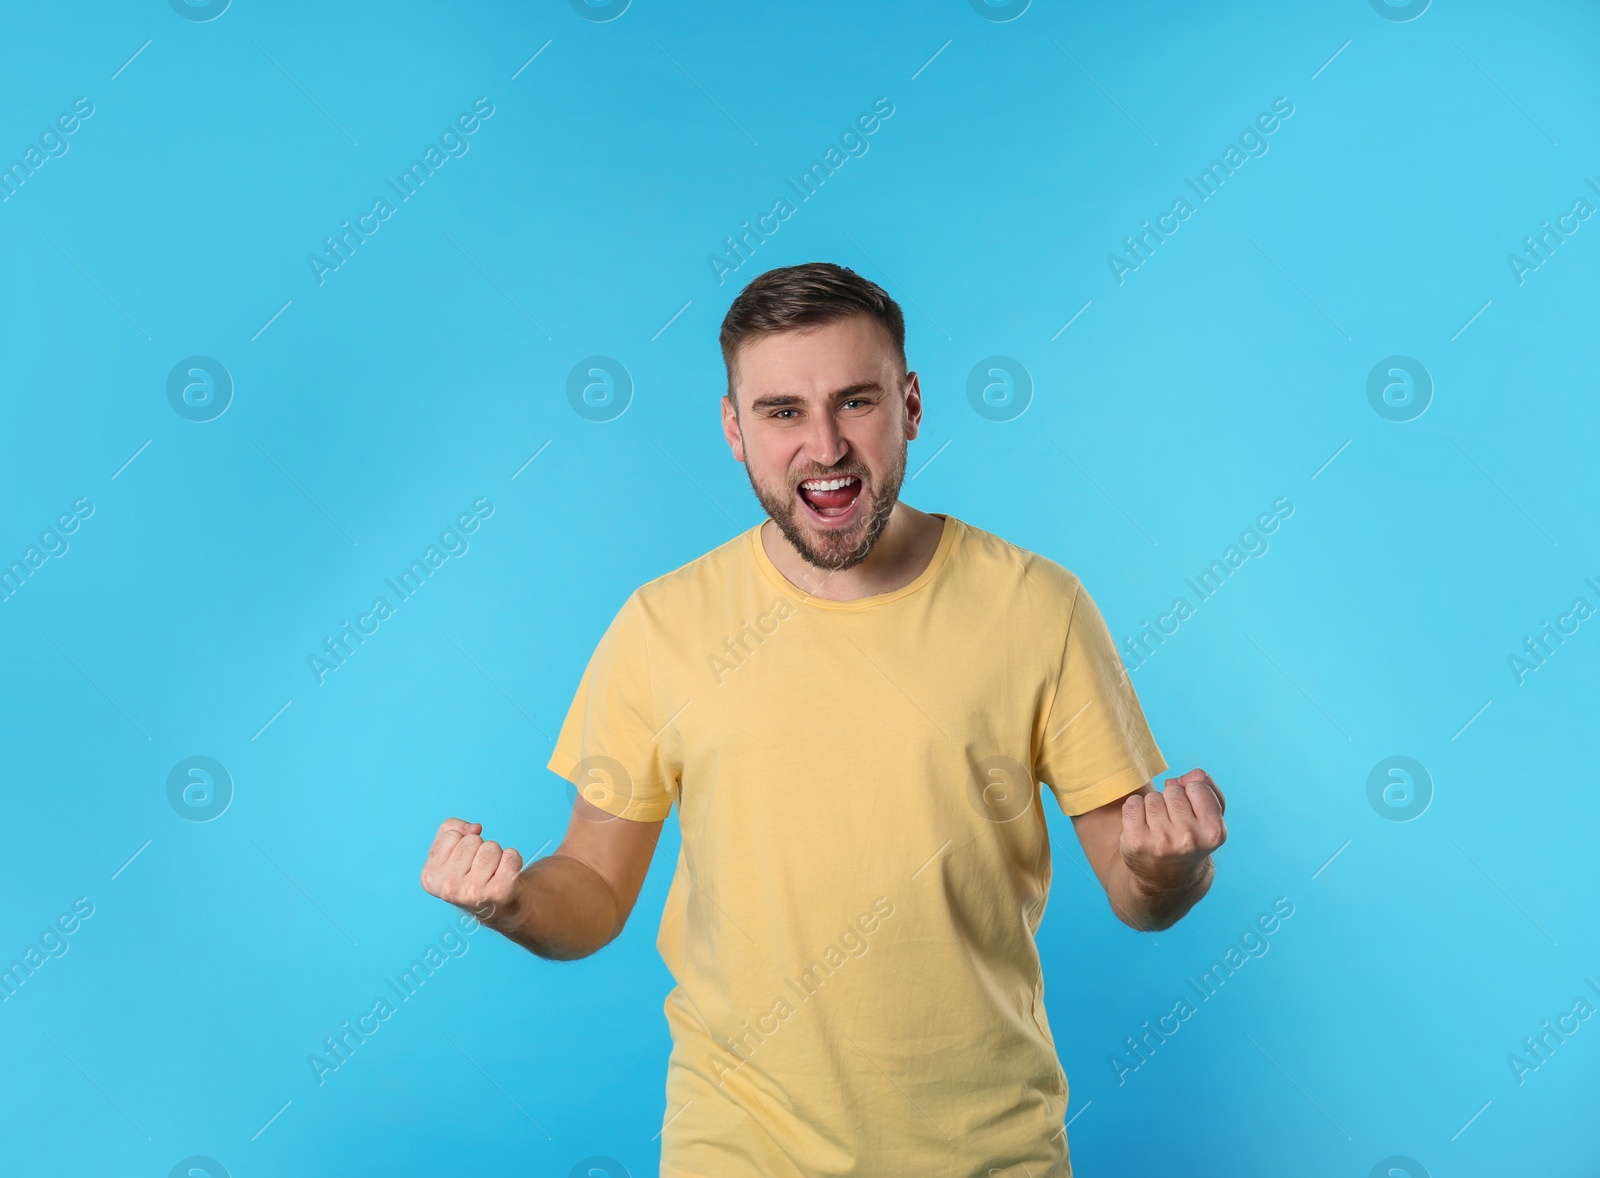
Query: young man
(851, 705)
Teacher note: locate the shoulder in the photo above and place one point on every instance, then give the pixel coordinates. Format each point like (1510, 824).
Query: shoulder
(1032, 573)
(694, 582)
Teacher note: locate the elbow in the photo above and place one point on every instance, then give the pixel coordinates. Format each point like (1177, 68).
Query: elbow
(1151, 921)
(1149, 924)
(564, 952)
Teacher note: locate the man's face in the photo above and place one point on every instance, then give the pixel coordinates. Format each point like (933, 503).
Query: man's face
(825, 402)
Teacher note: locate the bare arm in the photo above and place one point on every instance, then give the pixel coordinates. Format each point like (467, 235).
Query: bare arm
(568, 905)
(1152, 850)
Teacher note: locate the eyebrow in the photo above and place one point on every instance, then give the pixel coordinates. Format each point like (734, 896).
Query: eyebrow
(794, 400)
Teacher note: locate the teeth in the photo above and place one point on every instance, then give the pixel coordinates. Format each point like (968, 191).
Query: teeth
(828, 484)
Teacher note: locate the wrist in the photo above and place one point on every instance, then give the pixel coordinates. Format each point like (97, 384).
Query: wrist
(1158, 899)
(503, 916)
(1168, 878)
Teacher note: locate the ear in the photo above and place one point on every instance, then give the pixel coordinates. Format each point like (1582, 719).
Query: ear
(730, 428)
(913, 395)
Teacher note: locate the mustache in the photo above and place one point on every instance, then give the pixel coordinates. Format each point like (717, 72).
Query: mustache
(831, 474)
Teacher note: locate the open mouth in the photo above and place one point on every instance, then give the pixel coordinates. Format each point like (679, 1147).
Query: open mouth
(831, 501)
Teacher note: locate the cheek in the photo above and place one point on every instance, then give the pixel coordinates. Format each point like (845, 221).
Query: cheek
(770, 466)
(886, 456)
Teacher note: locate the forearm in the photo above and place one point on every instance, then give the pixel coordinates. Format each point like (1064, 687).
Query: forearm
(1150, 905)
(565, 910)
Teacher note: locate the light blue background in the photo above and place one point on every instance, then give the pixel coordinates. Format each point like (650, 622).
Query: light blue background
(429, 368)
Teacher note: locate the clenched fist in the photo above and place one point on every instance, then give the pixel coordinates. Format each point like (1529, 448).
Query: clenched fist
(1167, 835)
(471, 873)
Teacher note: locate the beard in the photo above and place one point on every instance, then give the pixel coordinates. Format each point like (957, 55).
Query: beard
(835, 551)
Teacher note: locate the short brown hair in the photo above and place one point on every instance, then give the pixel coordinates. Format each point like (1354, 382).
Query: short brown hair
(807, 295)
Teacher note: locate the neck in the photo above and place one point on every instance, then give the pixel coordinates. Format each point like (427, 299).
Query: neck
(902, 552)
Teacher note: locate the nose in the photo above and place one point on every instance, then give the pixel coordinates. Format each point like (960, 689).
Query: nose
(825, 444)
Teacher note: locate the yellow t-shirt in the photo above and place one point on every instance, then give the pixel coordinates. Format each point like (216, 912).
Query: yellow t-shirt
(864, 858)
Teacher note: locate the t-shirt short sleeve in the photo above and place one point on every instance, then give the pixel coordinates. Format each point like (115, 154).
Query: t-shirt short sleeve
(608, 747)
(1096, 746)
